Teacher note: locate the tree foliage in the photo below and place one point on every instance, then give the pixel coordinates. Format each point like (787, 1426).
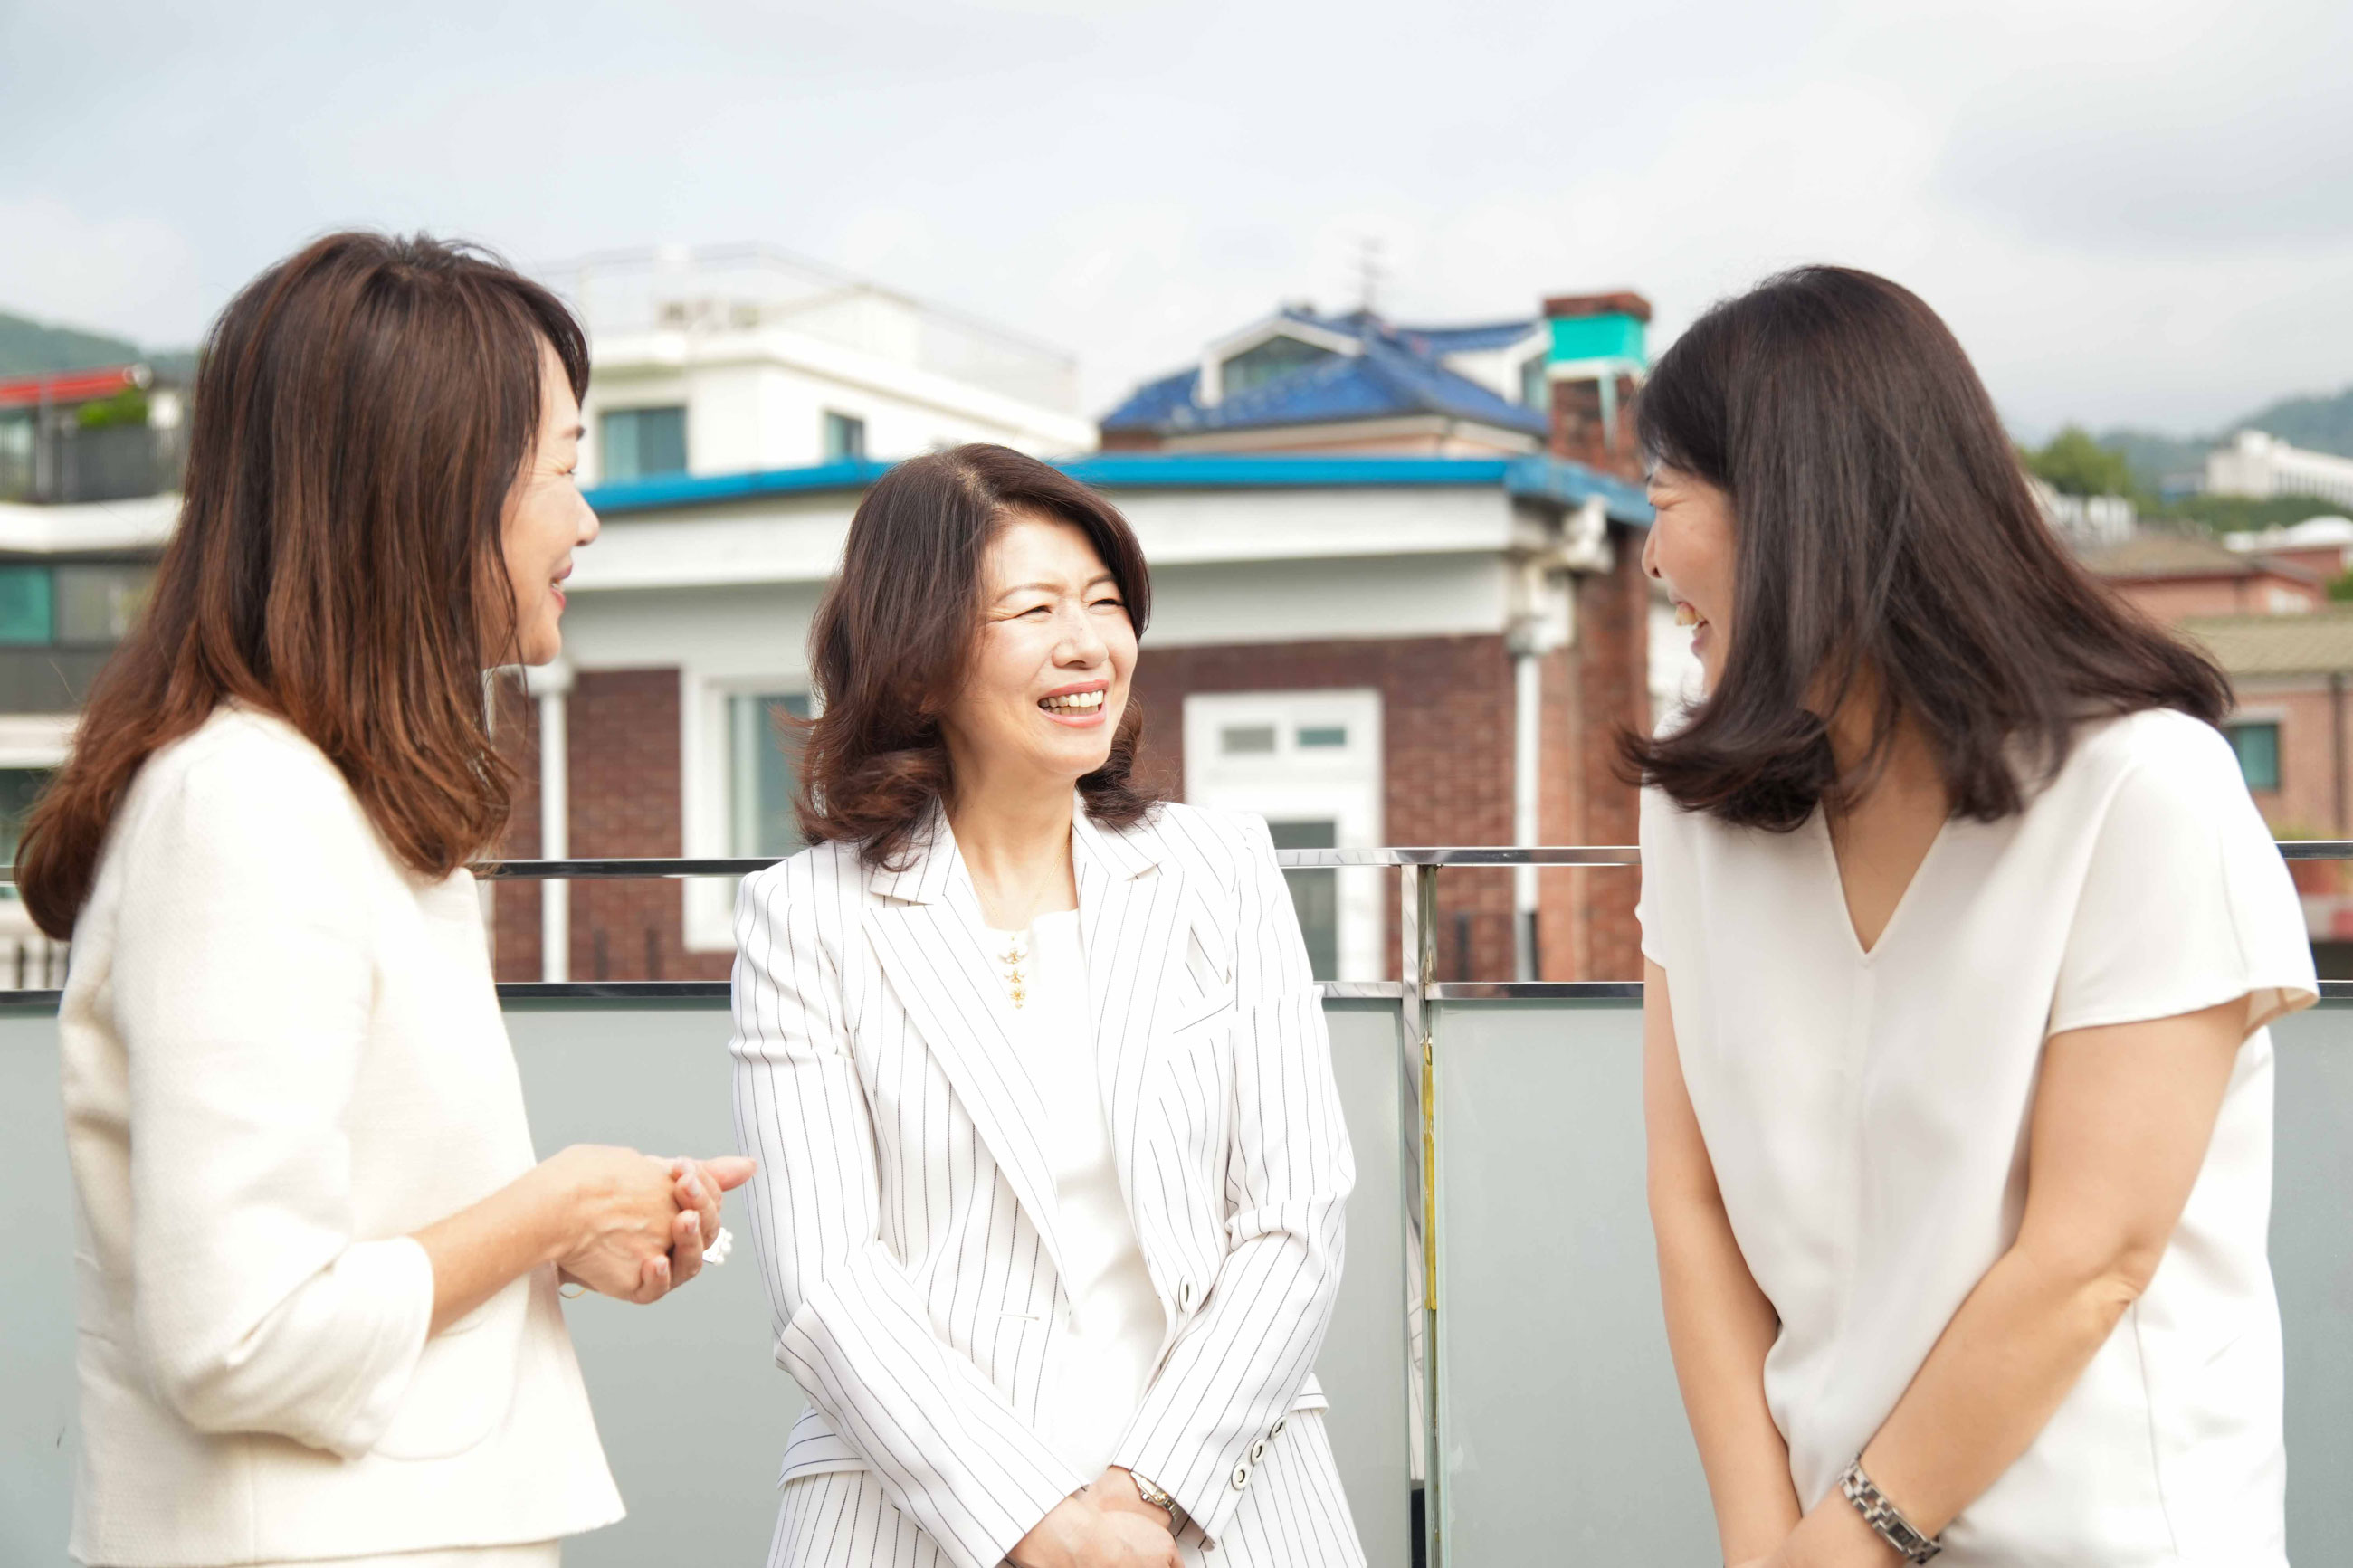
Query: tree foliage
(2075, 464)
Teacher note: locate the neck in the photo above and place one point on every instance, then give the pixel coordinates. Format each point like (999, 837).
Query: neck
(1906, 771)
(1015, 837)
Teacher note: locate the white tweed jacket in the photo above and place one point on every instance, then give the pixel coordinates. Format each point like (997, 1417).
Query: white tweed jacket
(904, 1209)
(283, 1054)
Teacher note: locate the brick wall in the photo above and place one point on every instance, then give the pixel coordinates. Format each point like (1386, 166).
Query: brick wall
(624, 766)
(2170, 599)
(1446, 735)
(514, 906)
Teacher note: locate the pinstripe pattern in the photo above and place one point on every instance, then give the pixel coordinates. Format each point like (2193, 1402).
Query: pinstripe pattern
(904, 1210)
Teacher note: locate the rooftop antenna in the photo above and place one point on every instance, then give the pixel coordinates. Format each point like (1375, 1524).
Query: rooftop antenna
(1370, 274)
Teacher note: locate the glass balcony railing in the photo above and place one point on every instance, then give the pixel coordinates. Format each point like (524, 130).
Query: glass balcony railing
(1499, 1310)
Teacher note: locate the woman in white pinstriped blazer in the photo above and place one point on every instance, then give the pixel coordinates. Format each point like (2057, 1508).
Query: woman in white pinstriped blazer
(1052, 1164)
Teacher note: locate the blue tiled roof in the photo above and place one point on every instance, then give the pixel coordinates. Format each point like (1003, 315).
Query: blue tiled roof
(1397, 372)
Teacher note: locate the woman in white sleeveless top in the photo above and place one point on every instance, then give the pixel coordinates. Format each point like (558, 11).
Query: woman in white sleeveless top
(319, 1259)
(1052, 1160)
(1961, 935)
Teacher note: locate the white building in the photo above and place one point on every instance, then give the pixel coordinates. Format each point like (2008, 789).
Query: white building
(2087, 522)
(741, 359)
(2261, 466)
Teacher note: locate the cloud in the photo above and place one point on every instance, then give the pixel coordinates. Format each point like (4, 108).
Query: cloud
(2127, 210)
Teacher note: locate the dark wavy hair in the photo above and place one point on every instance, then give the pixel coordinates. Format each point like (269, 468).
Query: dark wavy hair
(895, 632)
(1886, 541)
(360, 415)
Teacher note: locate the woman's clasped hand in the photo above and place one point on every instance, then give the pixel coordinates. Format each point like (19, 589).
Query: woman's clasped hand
(639, 1223)
(1082, 1533)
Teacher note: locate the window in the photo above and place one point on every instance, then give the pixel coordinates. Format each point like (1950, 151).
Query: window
(1536, 387)
(97, 603)
(1309, 762)
(845, 438)
(1315, 893)
(763, 773)
(2258, 746)
(643, 443)
(1271, 360)
(18, 786)
(86, 604)
(28, 607)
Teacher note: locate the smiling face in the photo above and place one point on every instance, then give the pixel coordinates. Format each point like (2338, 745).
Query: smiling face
(1690, 550)
(1048, 675)
(547, 520)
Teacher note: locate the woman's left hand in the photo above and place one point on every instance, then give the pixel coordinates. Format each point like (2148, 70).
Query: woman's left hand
(1833, 1536)
(1114, 1492)
(699, 1186)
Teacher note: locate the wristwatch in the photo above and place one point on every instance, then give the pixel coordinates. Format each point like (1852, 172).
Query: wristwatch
(1886, 1518)
(1150, 1493)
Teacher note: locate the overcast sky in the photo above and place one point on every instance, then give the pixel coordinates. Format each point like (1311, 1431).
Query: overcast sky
(2132, 212)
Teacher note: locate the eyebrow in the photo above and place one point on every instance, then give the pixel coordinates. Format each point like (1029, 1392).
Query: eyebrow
(1056, 587)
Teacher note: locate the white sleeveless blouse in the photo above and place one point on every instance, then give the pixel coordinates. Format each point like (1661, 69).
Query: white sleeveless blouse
(1867, 1115)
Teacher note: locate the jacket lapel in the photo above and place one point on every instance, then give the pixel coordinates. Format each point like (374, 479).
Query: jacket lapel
(927, 934)
(1131, 902)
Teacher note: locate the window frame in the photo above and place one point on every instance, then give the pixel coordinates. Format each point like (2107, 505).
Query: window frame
(852, 425)
(607, 414)
(1346, 786)
(2237, 723)
(706, 811)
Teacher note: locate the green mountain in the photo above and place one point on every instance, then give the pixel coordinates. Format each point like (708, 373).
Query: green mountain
(28, 348)
(2315, 424)
(2159, 461)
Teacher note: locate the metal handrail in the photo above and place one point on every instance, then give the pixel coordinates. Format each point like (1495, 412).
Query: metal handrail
(1492, 855)
(654, 866)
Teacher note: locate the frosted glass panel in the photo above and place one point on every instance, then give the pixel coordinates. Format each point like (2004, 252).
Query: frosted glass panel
(1556, 1383)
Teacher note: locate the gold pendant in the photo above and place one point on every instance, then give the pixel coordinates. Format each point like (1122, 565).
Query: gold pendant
(1012, 959)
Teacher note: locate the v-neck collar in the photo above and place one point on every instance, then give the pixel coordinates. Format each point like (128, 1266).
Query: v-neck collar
(1903, 900)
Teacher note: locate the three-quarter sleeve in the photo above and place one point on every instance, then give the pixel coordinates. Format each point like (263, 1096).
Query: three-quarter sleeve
(243, 982)
(1238, 1365)
(2186, 903)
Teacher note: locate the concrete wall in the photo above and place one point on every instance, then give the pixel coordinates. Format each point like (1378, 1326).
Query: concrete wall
(1564, 1443)
(688, 1402)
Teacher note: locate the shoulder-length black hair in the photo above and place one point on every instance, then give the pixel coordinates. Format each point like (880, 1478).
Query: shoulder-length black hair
(1887, 542)
(894, 634)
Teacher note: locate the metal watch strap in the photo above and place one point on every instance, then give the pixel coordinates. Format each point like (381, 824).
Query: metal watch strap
(1152, 1493)
(1886, 1518)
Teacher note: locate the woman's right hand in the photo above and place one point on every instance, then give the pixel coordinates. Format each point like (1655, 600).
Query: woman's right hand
(620, 1210)
(1078, 1534)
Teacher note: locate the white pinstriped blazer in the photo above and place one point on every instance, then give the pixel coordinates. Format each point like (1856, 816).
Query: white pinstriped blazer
(905, 1209)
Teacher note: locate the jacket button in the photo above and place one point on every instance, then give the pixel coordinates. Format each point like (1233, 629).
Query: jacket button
(1277, 1427)
(1241, 1477)
(1257, 1450)
(1185, 1296)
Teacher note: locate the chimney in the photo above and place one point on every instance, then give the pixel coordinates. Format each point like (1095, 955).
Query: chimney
(1596, 363)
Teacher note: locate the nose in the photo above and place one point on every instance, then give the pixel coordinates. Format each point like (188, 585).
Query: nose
(590, 525)
(1651, 553)
(1081, 643)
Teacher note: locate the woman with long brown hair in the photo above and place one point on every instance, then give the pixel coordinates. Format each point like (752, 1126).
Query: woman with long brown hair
(319, 1267)
(1053, 1161)
(1962, 937)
